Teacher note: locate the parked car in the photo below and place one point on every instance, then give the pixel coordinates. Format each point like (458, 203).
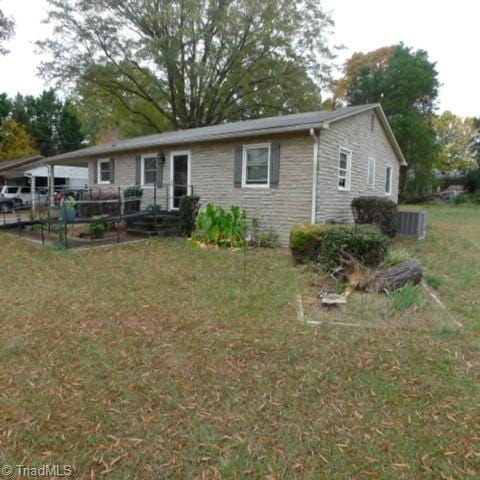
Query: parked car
(20, 196)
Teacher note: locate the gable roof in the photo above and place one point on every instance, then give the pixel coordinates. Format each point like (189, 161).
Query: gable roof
(261, 126)
(7, 166)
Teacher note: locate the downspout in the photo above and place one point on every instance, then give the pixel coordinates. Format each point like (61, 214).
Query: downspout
(313, 217)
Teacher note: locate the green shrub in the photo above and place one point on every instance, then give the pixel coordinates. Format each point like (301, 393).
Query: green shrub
(306, 242)
(475, 198)
(189, 207)
(473, 180)
(395, 256)
(376, 210)
(261, 237)
(217, 227)
(459, 199)
(98, 228)
(365, 243)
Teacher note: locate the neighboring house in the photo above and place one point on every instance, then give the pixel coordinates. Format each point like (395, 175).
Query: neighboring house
(284, 170)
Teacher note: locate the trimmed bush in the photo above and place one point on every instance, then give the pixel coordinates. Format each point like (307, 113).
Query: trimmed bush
(189, 207)
(376, 210)
(306, 242)
(365, 243)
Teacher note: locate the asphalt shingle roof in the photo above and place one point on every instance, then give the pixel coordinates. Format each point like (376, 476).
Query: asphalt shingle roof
(281, 123)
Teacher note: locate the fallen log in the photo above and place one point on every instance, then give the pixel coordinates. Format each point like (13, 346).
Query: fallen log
(396, 277)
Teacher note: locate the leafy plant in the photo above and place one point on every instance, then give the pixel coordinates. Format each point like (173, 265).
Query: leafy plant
(261, 237)
(378, 210)
(70, 203)
(98, 228)
(218, 227)
(459, 199)
(395, 256)
(306, 242)
(406, 297)
(365, 243)
(189, 207)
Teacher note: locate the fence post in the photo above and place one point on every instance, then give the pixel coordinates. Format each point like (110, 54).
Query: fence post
(65, 224)
(43, 233)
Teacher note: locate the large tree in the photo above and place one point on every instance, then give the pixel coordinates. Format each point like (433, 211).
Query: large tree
(54, 124)
(455, 136)
(6, 31)
(405, 83)
(15, 142)
(190, 63)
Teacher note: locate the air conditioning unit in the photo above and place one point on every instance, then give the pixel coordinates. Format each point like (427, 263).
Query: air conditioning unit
(412, 224)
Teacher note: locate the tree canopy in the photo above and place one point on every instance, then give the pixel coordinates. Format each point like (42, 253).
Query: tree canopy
(53, 124)
(187, 63)
(7, 27)
(15, 142)
(455, 136)
(405, 82)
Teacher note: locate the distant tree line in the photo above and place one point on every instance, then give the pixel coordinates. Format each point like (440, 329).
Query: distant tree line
(43, 124)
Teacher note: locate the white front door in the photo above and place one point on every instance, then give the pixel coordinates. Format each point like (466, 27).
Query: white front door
(180, 166)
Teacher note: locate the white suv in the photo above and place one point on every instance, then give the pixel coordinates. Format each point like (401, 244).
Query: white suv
(20, 196)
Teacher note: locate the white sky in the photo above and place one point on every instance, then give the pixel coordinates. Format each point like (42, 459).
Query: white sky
(446, 29)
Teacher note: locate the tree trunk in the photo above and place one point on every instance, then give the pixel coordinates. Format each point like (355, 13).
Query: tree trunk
(396, 277)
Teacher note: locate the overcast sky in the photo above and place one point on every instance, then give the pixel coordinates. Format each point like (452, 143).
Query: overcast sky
(445, 29)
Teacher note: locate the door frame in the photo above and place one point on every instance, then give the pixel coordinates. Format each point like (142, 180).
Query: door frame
(174, 154)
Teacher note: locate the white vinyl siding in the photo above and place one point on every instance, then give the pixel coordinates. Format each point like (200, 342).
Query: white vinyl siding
(344, 169)
(371, 173)
(256, 166)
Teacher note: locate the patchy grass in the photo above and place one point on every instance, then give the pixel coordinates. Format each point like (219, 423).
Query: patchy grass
(156, 360)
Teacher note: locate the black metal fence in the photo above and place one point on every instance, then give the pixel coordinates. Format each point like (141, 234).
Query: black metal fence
(79, 216)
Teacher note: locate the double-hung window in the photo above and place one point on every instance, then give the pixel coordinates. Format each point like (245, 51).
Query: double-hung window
(344, 169)
(149, 169)
(256, 165)
(104, 171)
(371, 173)
(388, 180)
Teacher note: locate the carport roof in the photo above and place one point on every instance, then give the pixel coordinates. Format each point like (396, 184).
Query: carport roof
(20, 165)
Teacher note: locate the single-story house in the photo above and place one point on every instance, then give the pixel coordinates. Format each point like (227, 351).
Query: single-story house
(284, 170)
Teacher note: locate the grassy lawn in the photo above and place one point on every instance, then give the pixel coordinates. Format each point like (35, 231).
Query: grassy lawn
(155, 360)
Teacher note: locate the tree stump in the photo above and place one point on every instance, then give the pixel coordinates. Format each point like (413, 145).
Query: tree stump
(396, 277)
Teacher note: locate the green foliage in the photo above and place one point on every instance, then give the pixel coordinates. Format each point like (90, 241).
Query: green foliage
(189, 207)
(434, 282)
(70, 203)
(52, 123)
(475, 198)
(380, 211)
(406, 83)
(459, 199)
(473, 180)
(15, 142)
(395, 256)
(306, 242)
(406, 297)
(454, 135)
(98, 228)
(193, 63)
(261, 237)
(365, 243)
(215, 226)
